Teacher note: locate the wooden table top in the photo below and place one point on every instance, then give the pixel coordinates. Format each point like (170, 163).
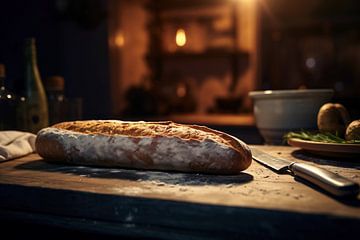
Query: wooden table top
(122, 201)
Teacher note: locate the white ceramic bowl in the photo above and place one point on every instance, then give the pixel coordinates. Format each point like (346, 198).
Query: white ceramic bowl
(280, 111)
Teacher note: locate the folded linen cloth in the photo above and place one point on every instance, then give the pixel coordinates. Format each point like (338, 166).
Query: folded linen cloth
(15, 144)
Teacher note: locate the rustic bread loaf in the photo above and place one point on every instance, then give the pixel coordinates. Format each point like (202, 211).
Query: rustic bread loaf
(144, 145)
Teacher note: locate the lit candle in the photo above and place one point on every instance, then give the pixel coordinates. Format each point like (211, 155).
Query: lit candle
(180, 37)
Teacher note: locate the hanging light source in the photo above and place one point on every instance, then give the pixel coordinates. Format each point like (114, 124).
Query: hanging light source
(180, 37)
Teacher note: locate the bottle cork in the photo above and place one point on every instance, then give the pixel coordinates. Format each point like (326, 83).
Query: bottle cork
(54, 83)
(2, 70)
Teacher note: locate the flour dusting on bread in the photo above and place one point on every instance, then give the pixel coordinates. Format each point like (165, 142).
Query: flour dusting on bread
(144, 145)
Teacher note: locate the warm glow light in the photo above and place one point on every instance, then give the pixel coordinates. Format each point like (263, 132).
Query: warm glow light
(181, 90)
(120, 40)
(310, 62)
(180, 37)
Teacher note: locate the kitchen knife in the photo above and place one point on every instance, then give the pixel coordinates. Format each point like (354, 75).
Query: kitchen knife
(329, 181)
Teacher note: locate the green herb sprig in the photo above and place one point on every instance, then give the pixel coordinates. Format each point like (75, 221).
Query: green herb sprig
(319, 137)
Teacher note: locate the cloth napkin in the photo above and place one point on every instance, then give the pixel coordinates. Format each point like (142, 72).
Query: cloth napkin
(15, 144)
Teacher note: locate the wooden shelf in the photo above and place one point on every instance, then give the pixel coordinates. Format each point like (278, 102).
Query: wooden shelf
(210, 54)
(246, 120)
(165, 5)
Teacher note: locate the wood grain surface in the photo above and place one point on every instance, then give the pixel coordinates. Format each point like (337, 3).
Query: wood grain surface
(255, 203)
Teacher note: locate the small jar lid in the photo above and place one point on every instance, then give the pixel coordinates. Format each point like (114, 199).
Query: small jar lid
(54, 83)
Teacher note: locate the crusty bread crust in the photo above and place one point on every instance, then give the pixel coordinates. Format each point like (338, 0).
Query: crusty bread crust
(144, 145)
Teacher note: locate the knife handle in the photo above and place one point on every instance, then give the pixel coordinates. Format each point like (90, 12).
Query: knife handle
(329, 181)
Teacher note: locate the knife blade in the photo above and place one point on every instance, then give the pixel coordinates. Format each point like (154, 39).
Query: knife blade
(328, 181)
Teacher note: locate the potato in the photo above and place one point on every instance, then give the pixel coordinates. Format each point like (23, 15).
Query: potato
(353, 131)
(333, 118)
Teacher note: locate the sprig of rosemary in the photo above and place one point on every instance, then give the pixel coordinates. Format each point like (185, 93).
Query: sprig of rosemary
(319, 137)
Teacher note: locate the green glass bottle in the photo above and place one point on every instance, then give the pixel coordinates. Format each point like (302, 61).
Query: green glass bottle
(37, 116)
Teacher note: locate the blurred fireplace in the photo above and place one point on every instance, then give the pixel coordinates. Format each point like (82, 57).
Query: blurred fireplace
(177, 56)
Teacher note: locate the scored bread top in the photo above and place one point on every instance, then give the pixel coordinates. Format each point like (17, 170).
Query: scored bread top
(149, 129)
(144, 145)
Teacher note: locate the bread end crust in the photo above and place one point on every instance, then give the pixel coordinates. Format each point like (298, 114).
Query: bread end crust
(49, 148)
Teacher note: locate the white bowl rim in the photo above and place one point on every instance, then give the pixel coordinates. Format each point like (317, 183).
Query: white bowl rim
(291, 93)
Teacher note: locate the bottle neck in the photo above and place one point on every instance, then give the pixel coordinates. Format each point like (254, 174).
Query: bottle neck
(32, 75)
(30, 52)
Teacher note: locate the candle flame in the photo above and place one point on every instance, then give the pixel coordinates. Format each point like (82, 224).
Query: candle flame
(120, 40)
(180, 37)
